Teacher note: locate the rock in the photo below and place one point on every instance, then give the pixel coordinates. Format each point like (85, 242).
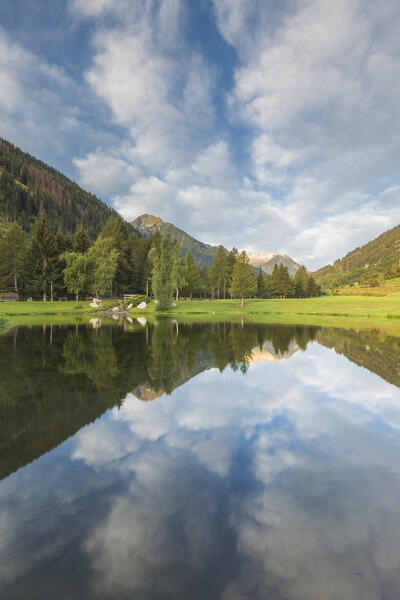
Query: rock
(142, 305)
(94, 305)
(115, 309)
(129, 306)
(142, 321)
(173, 305)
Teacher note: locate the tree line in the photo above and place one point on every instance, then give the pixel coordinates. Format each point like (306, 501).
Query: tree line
(56, 264)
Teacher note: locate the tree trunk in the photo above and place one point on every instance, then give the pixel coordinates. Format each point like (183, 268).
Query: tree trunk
(77, 297)
(177, 295)
(44, 270)
(15, 278)
(224, 289)
(242, 303)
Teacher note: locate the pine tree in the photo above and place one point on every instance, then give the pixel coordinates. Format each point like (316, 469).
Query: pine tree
(43, 255)
(244, 283)
(204, 280)
(81, 240)
(300, 281)
(312, 288)
(191, 275)
(260, 284)
(281, 282)
(219, 272)
(12, 251)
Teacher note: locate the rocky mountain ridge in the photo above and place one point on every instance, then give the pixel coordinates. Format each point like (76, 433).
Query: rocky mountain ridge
(204, 253)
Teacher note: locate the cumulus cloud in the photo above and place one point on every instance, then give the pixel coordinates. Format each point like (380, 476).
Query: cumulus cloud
(295, 136)
(316, 89)
(285, 479)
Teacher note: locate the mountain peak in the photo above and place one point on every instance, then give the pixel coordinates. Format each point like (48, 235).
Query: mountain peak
(147, 220)
(148, 224)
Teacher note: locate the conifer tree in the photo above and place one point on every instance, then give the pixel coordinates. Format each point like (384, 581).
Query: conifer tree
(12, 251)
(244, 283)
(260, 284)
(43, 256)
(312, 288)
(281, 282)
(300, 281)
(81, 240)
(219, 272)
(191, 275)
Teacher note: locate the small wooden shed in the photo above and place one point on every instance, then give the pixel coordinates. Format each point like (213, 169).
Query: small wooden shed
(8, 296)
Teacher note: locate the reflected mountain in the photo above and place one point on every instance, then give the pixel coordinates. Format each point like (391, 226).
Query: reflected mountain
(56, 380)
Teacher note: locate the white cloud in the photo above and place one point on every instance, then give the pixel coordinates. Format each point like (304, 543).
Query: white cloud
(316, 88)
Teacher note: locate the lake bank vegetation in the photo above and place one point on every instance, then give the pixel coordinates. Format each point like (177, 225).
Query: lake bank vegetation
(55, 265)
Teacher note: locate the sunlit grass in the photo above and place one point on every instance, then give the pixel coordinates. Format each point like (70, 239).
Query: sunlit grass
(344, 306)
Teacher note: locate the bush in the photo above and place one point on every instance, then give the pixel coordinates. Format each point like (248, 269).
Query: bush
(135, 300)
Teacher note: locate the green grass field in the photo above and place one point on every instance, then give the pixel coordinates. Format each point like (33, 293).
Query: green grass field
(343, 306)
(8, 309)
(330, 311)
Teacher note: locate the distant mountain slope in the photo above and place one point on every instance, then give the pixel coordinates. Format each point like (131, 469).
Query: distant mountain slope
(376, 257)
(149, 224)
(267, 262)
(204, 253)
(29, 187)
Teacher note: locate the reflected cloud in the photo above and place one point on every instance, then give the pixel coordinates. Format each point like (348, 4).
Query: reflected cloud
(281, 483)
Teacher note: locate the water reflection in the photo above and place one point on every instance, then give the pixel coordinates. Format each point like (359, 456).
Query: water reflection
(282, 483)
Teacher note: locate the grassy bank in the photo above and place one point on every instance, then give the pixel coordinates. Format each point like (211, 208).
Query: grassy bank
(43, 313)
(330, 311)
(15, 309)
(329, 306)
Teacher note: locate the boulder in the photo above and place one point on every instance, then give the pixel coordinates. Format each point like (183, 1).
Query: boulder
(173, 305)
(129, 306)
(142, 305)
(115, 309)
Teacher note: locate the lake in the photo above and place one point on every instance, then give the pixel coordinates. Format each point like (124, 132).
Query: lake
(199, 461)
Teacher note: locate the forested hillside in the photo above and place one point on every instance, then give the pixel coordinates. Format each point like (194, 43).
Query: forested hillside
(30, 188)
(375, 260)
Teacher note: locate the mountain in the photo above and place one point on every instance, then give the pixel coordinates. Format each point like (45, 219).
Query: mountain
(268, 261)
(29, 187)
(202, 253)
(379, 256)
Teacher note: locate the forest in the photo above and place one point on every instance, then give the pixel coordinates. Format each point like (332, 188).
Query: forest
(57, 265)
(30, 188)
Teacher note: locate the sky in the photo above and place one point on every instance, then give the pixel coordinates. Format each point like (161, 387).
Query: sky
(262, 125)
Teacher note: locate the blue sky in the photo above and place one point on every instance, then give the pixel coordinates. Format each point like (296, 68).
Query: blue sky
(263, 125)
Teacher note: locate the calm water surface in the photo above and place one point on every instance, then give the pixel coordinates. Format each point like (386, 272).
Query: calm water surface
(208, 461)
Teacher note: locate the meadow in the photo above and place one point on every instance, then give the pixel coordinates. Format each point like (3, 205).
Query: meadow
(342, 306)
